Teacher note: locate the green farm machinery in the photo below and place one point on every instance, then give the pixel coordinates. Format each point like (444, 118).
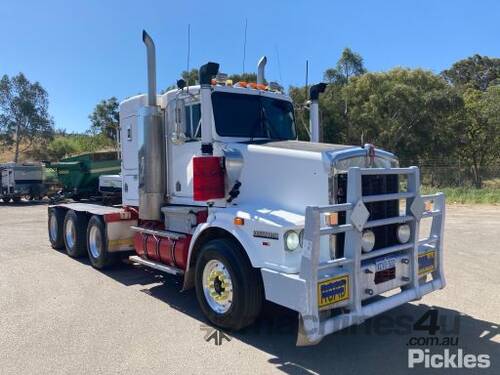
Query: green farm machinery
(78, 175)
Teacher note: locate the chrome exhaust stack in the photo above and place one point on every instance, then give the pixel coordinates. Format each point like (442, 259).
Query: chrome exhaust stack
(261, 66)
(151, 63)
(314, 125)
(151, 145)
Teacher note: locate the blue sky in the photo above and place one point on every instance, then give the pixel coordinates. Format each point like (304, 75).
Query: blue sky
(84, 51)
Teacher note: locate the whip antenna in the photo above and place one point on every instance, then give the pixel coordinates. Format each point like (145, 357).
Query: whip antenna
(245, 45)
(279, 63)
(188, 47)
(307, 80)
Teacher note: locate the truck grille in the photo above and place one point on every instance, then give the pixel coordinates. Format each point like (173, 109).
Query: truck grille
(371, 185)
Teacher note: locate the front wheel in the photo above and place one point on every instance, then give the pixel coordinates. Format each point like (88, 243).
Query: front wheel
(97, 244)
(228, 288)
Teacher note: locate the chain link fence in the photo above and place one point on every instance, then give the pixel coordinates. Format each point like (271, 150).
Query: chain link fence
(456, 174)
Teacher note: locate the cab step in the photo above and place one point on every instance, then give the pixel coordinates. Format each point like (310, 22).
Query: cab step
(156, 265)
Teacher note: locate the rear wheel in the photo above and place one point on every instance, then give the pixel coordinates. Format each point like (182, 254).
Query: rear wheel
(97, 244)
(75, 228)
(228, 288)
(55, 226)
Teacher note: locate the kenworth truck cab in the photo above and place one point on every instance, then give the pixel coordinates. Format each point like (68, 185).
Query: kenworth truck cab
(216, 188)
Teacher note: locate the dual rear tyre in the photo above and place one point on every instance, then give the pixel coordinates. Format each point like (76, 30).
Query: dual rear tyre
(97, 244)
(80, 236)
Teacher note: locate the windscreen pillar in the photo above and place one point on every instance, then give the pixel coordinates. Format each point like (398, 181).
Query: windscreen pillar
(314, 123)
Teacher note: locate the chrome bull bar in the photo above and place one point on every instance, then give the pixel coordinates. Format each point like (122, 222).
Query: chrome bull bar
(349, 271)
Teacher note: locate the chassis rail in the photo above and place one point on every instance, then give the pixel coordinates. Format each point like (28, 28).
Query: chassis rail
(357, 307)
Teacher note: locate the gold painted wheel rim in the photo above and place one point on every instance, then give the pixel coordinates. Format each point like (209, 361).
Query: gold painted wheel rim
(217, 286)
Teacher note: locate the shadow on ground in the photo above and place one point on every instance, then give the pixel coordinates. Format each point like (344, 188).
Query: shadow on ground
(380, 345)
(24, 203)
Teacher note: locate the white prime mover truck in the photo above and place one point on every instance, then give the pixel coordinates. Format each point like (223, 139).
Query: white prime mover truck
(216, 188)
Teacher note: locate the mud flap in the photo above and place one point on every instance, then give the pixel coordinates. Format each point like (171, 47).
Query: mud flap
(302, 338)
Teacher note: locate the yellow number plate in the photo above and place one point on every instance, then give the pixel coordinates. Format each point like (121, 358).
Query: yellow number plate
(331, 291)
(426, 262)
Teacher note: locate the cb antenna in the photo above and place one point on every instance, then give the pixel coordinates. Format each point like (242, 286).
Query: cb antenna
(279, 63)
(245, 45)
(307, 80)
(188, 51)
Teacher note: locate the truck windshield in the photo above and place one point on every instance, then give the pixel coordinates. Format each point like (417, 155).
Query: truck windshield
(253, 116)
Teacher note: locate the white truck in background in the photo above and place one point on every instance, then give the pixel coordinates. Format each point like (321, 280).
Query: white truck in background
(18, 180)
(216, 188)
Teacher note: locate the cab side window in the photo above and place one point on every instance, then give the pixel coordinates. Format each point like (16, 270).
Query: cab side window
(193, 116)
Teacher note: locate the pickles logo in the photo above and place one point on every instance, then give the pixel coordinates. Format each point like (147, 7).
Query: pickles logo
(214, 334)
(449, 359)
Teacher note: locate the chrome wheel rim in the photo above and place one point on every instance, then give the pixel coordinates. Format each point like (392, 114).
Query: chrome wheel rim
(217, 286)
(95, 242)
(70, 233)
(53, 227)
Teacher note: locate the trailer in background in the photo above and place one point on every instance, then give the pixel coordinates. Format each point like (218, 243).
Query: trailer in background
(79, 175)
(20, 180)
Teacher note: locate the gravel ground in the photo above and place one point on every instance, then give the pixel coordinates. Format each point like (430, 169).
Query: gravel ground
(60, 316)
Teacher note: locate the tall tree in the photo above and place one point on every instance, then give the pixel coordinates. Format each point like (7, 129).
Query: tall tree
(105, 119)
(476, 72)
(480, 138)
(349, 65)
(24, 115)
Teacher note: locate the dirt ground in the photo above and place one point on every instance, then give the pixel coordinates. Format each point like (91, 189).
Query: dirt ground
(60, 316)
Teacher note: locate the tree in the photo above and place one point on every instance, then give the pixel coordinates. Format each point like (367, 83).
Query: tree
(480, 138)
(243, 77)
(62, 147)
(409, 112)
(24, 115)
(349, 65)
(191, 77)
(476, 72)
(301, 114)
(105, 119)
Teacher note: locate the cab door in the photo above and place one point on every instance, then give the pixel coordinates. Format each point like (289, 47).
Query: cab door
(183, 147)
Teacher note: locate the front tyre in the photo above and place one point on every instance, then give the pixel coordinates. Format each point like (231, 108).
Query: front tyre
(228, 288)
(97, 244)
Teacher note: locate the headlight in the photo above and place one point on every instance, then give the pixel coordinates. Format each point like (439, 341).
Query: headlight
(367, 241)
(292, 240)
(404, 233)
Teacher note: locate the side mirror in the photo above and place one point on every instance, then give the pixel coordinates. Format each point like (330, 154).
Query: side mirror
(179, 134)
